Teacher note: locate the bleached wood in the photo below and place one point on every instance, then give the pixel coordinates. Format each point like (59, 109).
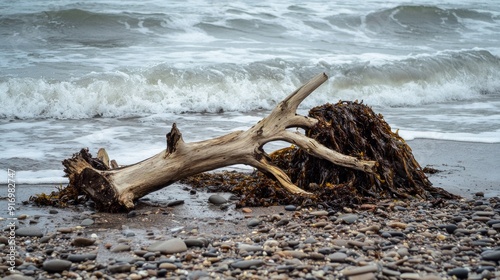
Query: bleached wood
(117, 189)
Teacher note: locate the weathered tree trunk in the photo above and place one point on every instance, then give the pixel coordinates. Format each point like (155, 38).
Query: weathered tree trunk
(117, 189)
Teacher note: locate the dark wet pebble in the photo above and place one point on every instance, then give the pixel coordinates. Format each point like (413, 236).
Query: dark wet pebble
(193, 242)
(56, 265)
(360, 270)
(247, 264)
(450, 228)
(132, 214)
(53, 211)
(32, 231)
(83, 242)
(290, 208)
(460, 273)
(217, 199)
(87, 222)
(492, 222)
(4, 240)
(480, 194)
(491, 255)
(81, 257)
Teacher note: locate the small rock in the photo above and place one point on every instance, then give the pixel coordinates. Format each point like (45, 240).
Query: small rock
(175, 203)
(480, 194)
(4, 240)
(250, 248)
(120, 248)
(87, 222)
(491, 255)
(56, 265)
(120, 268)
(253, 222)
(29, 231)
(83, 242)
(360, 270)
(337, 257)
(76, 258)
(349, 218)
(294, 254)
(53, 211)
(246, 210)
(170, 246)
(167, 266)
(450, 228)
(247, 264)
(290, 208)
(319, 213)
(193, 242)
(217, 199)
(460, 273)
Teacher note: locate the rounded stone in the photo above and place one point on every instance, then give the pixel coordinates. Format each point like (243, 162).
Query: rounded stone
(349, 218)
(87, 222)
(81, 257)
(450, 228)
(120, 268)
(337, 257)
(491, 256)
(460, 273)
(253, 222)
(56, 265)
(32, 231)
(290, 208)
(83, 242)
(120, 248)
(170, 246)
(246, 264)
(217, 199)
(194, 242)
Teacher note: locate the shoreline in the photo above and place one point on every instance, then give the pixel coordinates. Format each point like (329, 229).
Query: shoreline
(390, 240)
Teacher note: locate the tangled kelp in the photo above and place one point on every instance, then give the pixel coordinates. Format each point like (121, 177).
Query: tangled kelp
(350, 128)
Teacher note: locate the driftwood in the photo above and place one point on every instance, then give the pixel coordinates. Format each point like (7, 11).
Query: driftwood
(117, 189)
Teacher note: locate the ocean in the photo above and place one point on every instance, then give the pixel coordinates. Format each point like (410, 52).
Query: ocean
(117, 74)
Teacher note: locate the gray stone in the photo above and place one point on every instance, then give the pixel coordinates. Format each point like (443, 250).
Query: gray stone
(32, 231)
(310, 240)
(349, 218)
(87, 222)
(56, 265)
(120, 268)
(53, 211)
(171, 246)
(217, 199)
(319, 213)
(250, 248)
(198, 275)
(18, 277)
(290, 208)
(247, 264)
(120, 248)
(360, 270)
(337, 257)
(4, 240)
(450, 228)
(76, 258)
(253, 222)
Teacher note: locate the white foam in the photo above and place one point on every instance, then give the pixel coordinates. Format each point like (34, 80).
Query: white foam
(482, 137)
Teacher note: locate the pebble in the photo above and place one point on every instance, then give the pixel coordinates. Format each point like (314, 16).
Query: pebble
(81, 257)
(87, 222)
(31, 231)
(120, 248)
(360, 270)
(56, 265)
(491, 256)
(83, 242)
(290, 208)
(18, 277)
(120, 268)
(167, 266)
(319, 213)
(246, 264)
(451, 228)
(171, 246)
(193, 242)
(250, 248)
(349, 218)
(460, 273)
(217, 199)
(253, 222)
(337, 257)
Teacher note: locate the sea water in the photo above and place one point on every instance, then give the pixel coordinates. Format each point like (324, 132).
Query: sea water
(117, 74)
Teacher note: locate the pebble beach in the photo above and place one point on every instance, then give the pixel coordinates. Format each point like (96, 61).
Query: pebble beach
(456, 239)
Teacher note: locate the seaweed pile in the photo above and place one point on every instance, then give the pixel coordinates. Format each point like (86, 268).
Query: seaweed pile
(350, 128)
